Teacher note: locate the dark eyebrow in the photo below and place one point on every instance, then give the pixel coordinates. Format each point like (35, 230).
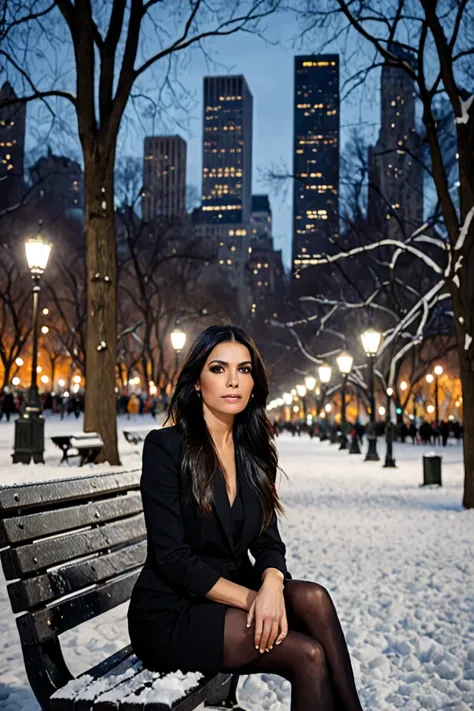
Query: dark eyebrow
(223, 362)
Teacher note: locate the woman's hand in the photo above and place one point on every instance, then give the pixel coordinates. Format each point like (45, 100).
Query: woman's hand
(269, 612)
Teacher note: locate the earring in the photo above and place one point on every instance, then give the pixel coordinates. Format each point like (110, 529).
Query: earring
(198, 392)
(252, 395)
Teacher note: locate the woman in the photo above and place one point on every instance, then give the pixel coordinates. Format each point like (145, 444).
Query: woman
(209, 497)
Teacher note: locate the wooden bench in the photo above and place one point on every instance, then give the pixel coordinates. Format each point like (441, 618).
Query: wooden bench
(72, 549)
(85, 445)
(136, 436)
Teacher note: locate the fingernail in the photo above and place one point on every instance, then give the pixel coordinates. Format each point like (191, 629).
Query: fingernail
(248, 625)
(256, 646)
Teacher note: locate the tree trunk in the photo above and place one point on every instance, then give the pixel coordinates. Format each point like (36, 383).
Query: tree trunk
(101, 264)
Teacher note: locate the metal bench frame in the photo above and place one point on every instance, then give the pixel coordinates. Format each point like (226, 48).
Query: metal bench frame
(136, 436)
(72, 549)
(82, 442)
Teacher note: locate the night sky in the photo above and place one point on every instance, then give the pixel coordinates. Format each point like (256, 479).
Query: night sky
(268, 70)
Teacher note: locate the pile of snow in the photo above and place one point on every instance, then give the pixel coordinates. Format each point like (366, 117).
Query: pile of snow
(395, 557)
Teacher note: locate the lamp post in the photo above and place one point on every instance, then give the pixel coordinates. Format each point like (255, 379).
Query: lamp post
(29, 427)
(324, 372)
(371, 342)
(301, 390)
(438, 370)
(178, 339)
(388, 414)
(344, 363)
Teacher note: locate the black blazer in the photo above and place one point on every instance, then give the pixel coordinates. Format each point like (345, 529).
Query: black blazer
(188, 553)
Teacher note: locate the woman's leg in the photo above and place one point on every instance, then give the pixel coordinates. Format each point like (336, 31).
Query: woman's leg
(311, 610)
(299, 658)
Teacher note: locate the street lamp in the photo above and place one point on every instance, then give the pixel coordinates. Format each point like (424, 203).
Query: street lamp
(29, 427)
(371, 343)
(301, 390)
(438, 370)
(178, 339)
(388, 416)
(324, 373)
(344, 363)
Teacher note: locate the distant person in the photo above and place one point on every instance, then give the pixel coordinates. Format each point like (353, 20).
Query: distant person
(133, 406)
(412, 432)
(8, 403)
(426, 432)
(444, 429)
(457, 431)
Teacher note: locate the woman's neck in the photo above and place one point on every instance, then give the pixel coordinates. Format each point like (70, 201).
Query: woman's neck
(220, 427)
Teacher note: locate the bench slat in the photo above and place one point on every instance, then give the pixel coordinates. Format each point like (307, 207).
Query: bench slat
(18, 562)
(152, 698)
(119, 697)
(23, 528)
(38, 627)
(61, 491)
(63, 698)
(29, 593)
(122, 676)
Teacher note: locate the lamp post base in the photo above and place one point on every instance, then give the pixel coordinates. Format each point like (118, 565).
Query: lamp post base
(372, 454)
(354, 448)
(343, 444)
(389, 463)
(29, 438)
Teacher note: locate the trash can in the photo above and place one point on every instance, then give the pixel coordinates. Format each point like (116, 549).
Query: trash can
(432, 469)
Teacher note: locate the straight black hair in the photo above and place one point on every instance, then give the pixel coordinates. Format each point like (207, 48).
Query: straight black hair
(253, 433)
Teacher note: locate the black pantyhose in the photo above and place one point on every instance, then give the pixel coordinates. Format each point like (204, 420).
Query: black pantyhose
(313, 657)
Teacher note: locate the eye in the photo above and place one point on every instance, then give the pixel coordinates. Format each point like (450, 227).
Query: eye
(216, 368)
(246, 369)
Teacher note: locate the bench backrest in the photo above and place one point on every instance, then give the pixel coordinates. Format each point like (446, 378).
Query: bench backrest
(72, 549)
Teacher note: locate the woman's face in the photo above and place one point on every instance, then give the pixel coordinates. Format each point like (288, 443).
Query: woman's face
(226, 381)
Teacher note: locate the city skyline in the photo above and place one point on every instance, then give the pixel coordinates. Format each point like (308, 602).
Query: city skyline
(273, 111)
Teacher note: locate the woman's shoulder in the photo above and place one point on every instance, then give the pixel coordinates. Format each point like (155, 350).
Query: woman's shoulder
(170, 436)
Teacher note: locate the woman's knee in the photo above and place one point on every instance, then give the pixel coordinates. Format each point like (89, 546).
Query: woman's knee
(311, 654)
(304, 593)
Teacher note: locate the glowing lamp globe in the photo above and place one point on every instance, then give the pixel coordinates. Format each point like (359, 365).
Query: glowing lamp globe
(371, 341)
(344, 362)
(325, 372)
(301, 390)
(287, 398)
(178, 339)
(37, 253)
(310, 382)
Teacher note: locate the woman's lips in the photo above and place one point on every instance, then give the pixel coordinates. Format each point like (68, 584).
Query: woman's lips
(232, 398)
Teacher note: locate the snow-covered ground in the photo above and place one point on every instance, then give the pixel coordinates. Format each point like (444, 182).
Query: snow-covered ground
(396, 558)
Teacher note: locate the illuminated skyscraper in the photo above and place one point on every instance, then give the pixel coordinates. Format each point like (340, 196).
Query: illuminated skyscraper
(227, 150)
(164, 177)
(12, 148)
(315, 158)
(395, 168)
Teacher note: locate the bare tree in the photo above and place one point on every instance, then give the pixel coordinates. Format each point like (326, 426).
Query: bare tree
(112, 44)
(439, 35)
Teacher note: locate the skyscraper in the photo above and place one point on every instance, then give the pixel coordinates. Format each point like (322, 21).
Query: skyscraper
(315, 158)
(395, 170)
(59, 182)
(12, 148)
(227, 150)
(164, 177)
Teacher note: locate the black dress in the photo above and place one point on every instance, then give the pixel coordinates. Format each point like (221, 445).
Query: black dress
(172, 625)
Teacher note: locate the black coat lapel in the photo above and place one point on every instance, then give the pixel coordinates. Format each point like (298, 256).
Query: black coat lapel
(222, 506)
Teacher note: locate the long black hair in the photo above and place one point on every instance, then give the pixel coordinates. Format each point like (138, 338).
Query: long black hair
(253, 433)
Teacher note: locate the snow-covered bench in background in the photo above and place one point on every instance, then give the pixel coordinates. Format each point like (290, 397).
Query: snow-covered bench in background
(135, 436)
(90, 567)
(85, 445)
